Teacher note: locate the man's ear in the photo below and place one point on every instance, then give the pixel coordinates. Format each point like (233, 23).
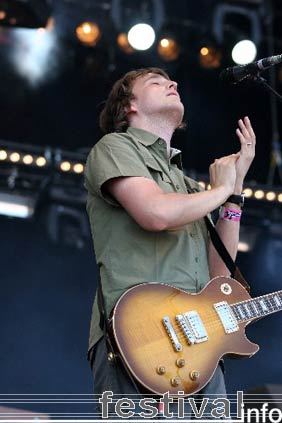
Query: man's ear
(131, 108)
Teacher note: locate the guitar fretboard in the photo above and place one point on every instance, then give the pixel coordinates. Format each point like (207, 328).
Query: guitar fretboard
(257, 307)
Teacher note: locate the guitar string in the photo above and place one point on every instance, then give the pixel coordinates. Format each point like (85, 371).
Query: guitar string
(210, 323)
(210, 316)
(212, 320)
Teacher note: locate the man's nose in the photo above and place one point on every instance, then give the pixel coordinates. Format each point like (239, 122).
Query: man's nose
(172, 84)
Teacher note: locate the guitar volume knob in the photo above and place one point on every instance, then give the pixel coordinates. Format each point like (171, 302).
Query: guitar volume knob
(180, 362)
(161, 370)
(175, 381)
(194, 375)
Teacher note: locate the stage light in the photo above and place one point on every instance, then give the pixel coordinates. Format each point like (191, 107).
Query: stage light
(14, 157)
(65, 166)
(248, 192)
(41, 161)
(244, 52)
(35, 53)
(2, 15)
(141, 36)
(243, 247)
(259, 194)
(168, 49)
(204, 51)
(210, 57)
(149, 16)
(3, 155)
(28, 159)
(88, 33)
(270, 196)
(122, 42)
(232, 22)
(78, 168)
(14, 205)
(279, 198)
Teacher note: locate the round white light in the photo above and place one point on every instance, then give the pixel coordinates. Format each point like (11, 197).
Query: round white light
(141, 36)
(244, 52)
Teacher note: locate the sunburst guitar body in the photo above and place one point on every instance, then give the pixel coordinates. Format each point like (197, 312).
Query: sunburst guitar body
(172, 341)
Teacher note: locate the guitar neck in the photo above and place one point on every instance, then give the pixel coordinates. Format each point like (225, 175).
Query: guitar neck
(256, 308)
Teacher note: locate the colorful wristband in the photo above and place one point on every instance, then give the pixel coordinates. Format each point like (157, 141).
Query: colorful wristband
(230, 214)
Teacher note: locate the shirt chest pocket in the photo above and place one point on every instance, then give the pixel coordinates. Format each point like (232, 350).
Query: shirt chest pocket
(159, 176)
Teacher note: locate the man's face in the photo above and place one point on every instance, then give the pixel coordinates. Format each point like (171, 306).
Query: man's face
(156, 95)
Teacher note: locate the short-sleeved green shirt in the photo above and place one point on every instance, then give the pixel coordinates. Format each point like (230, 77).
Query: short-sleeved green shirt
(127, 254)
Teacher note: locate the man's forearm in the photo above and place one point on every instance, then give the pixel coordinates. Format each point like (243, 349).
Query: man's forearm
(228, 231)
(175, 210)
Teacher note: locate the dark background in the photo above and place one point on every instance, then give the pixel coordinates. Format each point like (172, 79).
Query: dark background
(47, 287)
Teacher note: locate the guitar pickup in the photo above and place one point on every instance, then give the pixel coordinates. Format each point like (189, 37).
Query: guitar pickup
(185, 329)
(226, 316)
(196, 325)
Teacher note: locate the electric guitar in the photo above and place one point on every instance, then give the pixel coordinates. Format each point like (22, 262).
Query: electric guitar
(172, 341)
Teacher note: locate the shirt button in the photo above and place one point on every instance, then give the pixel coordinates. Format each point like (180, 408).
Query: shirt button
(160, 142)
(197, 259)
(192, 235)
(177, 186)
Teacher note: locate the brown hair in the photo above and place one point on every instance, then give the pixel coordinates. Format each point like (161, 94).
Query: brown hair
(113, 117)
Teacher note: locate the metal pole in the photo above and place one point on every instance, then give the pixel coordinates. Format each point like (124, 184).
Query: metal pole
(275, 155)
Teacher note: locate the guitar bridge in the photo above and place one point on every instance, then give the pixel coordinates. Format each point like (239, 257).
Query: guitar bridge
(172, 334)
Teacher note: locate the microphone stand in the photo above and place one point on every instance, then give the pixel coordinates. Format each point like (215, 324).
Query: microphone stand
(262, 81)
(276, 157)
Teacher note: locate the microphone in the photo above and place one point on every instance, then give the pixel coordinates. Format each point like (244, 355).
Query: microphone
(239, 73)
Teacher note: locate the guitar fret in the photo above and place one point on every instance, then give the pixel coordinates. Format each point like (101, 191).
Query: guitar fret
(241, 311)
(263, 305)
(239, 318)
(242, 308)
(246, 307)
(259, 307)
(253, 310)
(234, 309)
(277, 300)
(271, 303)
(255, 307)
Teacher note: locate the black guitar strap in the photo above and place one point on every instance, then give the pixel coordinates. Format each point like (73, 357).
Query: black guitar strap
(220, 247)
(224, 254)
